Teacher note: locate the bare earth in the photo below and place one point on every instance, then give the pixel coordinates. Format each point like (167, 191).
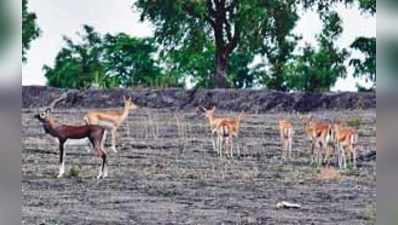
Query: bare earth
(166, 172)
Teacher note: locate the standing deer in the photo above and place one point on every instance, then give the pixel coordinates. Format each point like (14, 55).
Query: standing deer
(64, 132)
(286, 135)
(227, 130)
(346, 139)
(320, 134)
(111, 119)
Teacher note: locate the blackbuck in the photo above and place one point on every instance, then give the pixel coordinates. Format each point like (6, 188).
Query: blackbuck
(64, 132)
(346, 139)
(286, 134)
(320, 134)
(111, 119)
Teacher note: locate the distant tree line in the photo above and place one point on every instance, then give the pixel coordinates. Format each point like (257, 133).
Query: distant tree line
(214, 44)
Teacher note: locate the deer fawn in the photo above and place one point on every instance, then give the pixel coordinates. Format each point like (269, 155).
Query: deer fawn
(286, 133)
(346, 139)
(112, 120)
(62, 132)
(320, 134)
(227, 130)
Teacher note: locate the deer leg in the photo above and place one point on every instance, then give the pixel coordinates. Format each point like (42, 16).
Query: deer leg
(282, 148)
(88, 146)
(114, 139)
(313, 151)
(319, 153)
(354, 157)
(101, 154)
(220, 144)
(103, 139)
(343, 158)
(231, 147)
(290, 144)
(61, 159)
(213, 141)
(104, 166)
(340, 153)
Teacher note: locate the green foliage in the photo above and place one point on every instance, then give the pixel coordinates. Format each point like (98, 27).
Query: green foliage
(367, 6)
(318, 69)
(104, 61)
(30, 29)
(187, 63)
(130, 60)
(279, 42)
(354, 122)
(224, 34)
(74, 171)
(365, 67)
(5, 25)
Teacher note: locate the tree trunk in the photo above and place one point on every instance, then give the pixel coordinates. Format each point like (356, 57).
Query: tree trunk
(220, 78)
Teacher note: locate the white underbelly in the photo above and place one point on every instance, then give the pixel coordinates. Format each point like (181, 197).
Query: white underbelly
(106, 124)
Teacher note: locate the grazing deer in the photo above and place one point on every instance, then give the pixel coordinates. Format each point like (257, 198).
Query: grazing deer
(64, 132)
(111, 119)
(286, 133)
(346, 139)
(227, 130)
(320, 135)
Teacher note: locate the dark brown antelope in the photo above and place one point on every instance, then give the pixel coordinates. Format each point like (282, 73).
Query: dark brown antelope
(62, 132)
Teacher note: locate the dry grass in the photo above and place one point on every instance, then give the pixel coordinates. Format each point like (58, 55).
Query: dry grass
(329, 173)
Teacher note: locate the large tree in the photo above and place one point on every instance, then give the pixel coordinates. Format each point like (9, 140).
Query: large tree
(279, 42)
(228, 24)
(365, 66)
(317, 69)
(104, 61)
(30, 29)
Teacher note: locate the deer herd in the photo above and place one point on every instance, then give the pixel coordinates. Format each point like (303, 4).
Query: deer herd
(327, 138)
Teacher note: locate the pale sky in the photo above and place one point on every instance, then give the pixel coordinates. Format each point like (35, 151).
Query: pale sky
(66, 17)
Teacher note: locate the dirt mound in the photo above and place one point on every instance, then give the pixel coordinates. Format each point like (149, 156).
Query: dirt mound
(255, 101)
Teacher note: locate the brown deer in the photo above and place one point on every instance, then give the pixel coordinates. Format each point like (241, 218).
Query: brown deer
(64, 132)
(346, 139)
(111, 119)
(286, 135)
(227, 130)
(320, 134)
(95, 134)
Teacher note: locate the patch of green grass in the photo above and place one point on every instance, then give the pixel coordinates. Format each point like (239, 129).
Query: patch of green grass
(370, 215)
(354, 122)
(74, 171)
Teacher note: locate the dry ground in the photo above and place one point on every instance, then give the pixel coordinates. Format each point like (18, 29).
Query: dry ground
(166, 172)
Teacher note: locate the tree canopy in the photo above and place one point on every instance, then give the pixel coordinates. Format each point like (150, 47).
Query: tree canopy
(30, 29)
(213, 44)
(365, 67)
(221, 26)
(104, 61)
(228, 34)
(319, 69)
